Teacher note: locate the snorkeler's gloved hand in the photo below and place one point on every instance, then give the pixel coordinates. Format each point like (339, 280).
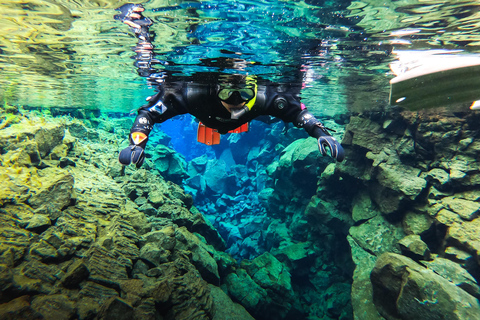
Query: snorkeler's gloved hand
(325, 140)
(132, 154)
(135, 152)
(130, 14)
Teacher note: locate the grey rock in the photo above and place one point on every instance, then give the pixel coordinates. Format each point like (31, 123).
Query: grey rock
(416, 223)
(363, 207)
(401, 179)
(467, 210)
(438, 177)
(377, 235)
(403, 289)
(116, 308)
(56, 191)
(454, 273)
(413, 247)
(76, 273)
(19, 308)
(362, 291)
(55, 306)
(154, 254)
(226, 308)
(38, 223)
(244, 290)
(48, 137)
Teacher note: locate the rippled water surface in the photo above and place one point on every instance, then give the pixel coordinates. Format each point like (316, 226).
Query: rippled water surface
(74, 54)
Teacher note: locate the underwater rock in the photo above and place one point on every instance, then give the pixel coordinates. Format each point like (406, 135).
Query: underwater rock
(416, 223)
(338, 301)
(406, 290)
(377, 235)
(225, 308)
(454, 273)
(362, 290)
(154, 254)
(34, 277)
(467, 210)
(49, 137)
(58, 152)
(439, 178)
(44, 136)
(299, 159)
(91, 297)
(14, 241)
(464, 234)
(364, 133)
(179, 280)
(77, 272)
(401, 179)
(170, 164)
(6, 278)
(178, 193)
(363, 207)
(205, 228)
(217, 178)
(200, 256)
(25, 154)
(271, 275)
(197, 166)
(38, 223)
(246, 291)
(116, 308)
(294, 255)
(106, 267)
(44, 251)
(56, 191)
(19, 308)
(412, 246)
(320, 211)
(80, 131)
(56, 306)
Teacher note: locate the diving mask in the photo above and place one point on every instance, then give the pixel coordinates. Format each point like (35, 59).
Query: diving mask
(244, 94)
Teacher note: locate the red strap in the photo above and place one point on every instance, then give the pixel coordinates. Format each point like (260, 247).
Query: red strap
(207, 135)
(242, 128)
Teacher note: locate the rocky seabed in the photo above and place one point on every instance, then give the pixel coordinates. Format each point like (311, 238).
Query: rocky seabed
(390, 233)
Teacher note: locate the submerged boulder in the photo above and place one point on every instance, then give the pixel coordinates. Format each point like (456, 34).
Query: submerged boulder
(263, 286)
(55, 193)
(403, 289)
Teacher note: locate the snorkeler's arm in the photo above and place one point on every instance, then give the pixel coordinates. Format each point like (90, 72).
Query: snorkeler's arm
(287, 106)
(131, 15)
(316, 129)
(159, 108)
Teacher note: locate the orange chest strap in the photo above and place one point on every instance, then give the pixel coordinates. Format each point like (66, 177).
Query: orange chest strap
(211, 136)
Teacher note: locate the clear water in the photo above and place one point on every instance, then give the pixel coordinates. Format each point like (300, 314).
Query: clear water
(73, 54)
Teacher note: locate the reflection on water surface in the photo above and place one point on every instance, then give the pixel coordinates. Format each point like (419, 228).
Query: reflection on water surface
(74, 54)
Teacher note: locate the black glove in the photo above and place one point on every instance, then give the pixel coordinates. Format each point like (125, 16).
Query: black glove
(336, 149)
(132, 154)
(131, 14)
(325, 140)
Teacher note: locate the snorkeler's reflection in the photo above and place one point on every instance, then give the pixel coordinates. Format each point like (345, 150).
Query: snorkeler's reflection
(226, 103)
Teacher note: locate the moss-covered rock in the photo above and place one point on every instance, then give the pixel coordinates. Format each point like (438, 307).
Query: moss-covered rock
(405, 289)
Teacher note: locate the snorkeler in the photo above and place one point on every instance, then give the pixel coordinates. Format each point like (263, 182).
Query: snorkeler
(227, 105)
